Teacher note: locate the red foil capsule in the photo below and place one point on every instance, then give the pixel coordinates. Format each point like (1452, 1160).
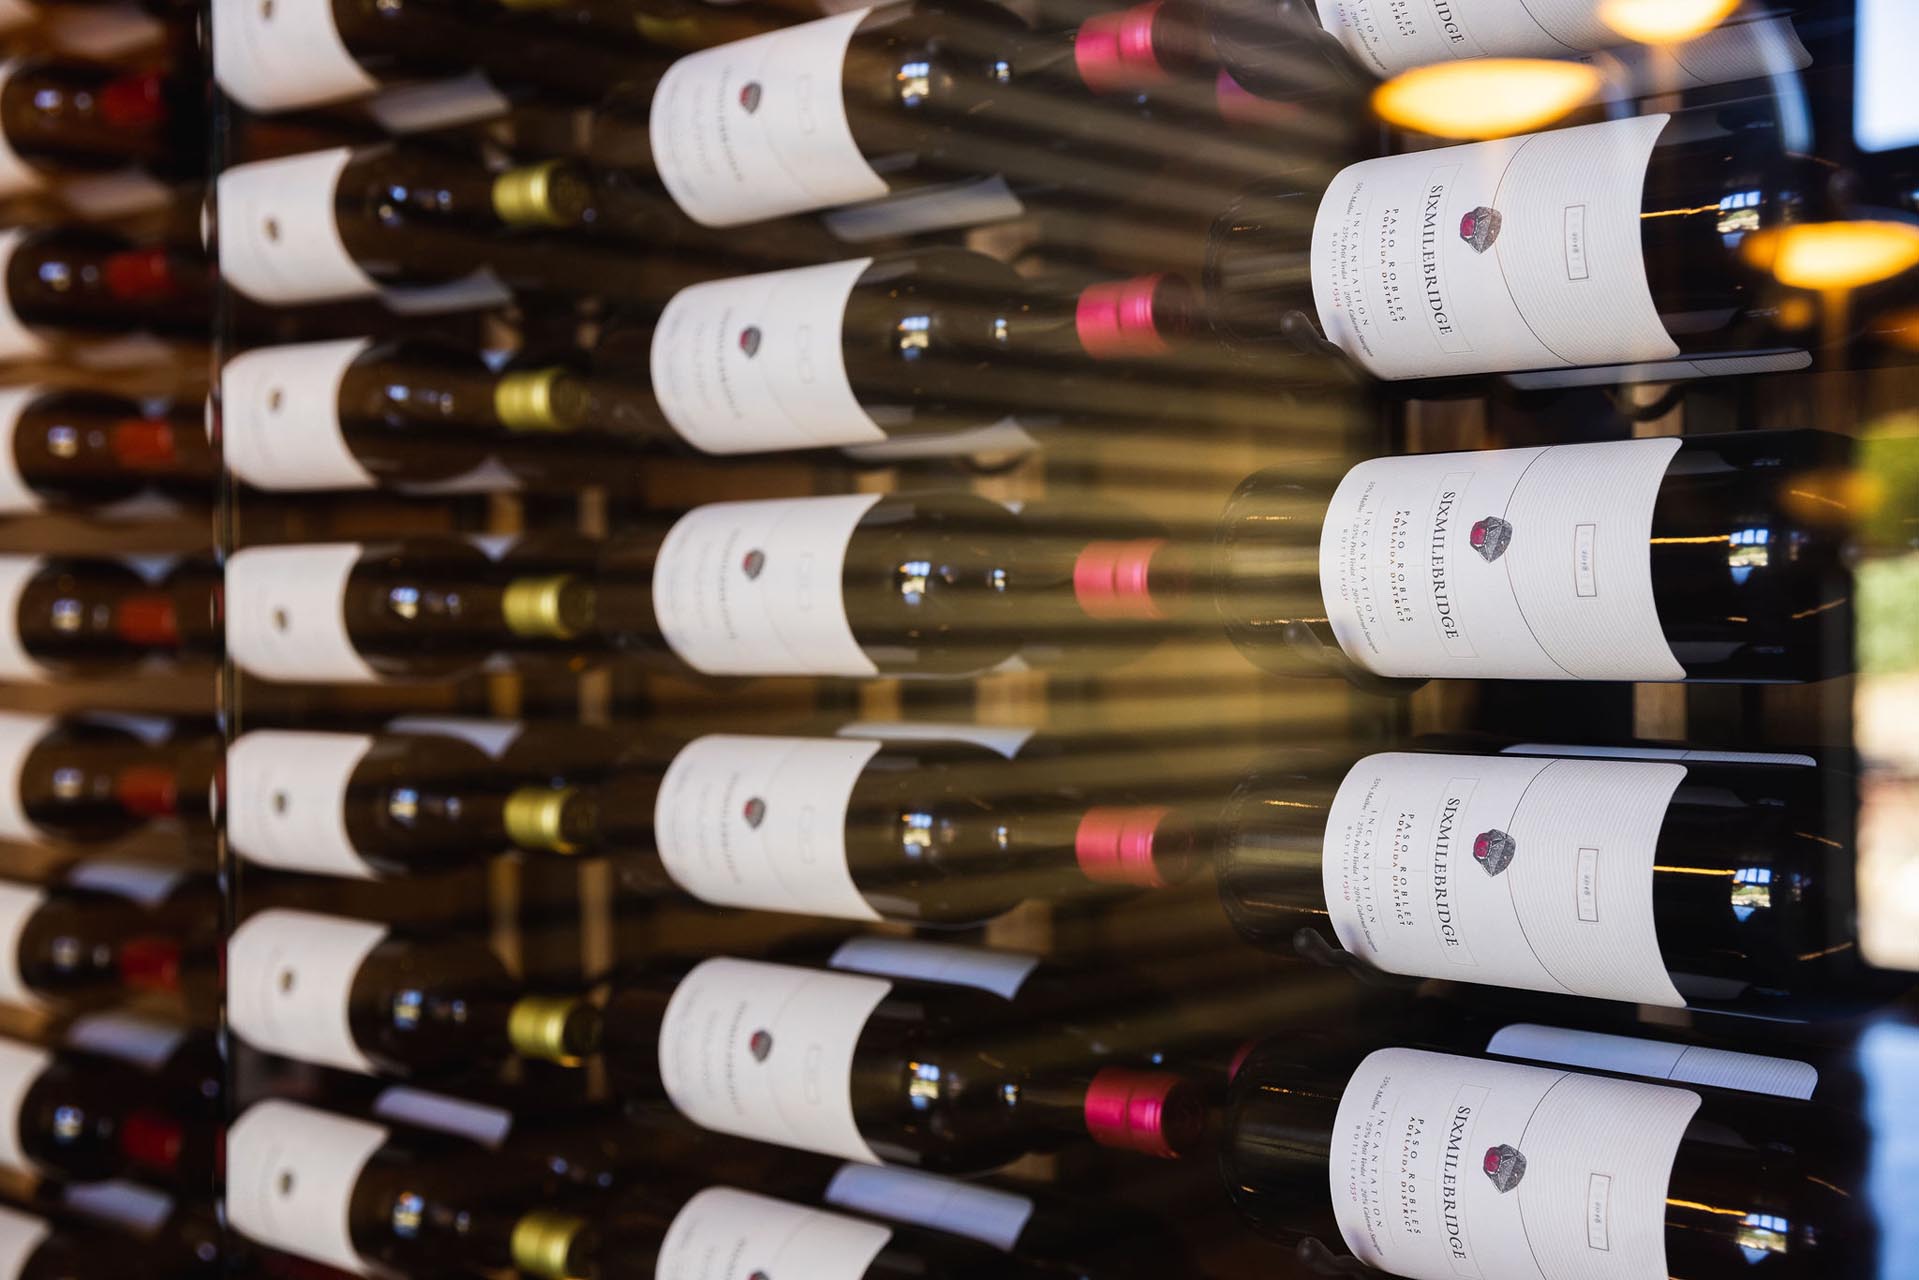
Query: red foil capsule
(150, 964)
(149, 621)
(1118, 320)
(148, 790)
(1113, 580)
(153, 1140)
(143, 444)
(139, 275)
(1114, 51)
(134, 101)
(1138, 845)
(1154, 1113)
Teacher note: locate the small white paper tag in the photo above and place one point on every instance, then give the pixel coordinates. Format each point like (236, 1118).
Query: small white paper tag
(286, 618)
(286, 800)
(291, 1171)
(280, 416)
(283, 55)
(279, 240)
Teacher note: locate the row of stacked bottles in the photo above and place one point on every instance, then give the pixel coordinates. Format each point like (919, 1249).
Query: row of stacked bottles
(113, 1081)
(759, 640)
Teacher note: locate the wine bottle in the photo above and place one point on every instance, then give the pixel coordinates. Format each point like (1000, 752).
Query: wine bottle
(1719, 886)
(66, 284)
(422, 609)
(91, 780)
(926, 832)
(360, 1196)
(1053, 1233)
(87, 1119)
(873, 102)
(1434, 265)
(357, 414)
(63, 117)
(306, 53)
(867, 351)
(1715, 557)
(1421, 1162)
(81, 618)
(31, 1248)
(869, 1069)
(79, 945)
(339, 224)
(74, 448)
(1298, 48)
(354, 995)
(660, 1232)
(928, 584)
(938, 584)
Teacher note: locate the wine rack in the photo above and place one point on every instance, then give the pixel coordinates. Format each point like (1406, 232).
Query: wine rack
(1020, 638)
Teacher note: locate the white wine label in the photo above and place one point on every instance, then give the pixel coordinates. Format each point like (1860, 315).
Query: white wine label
(286, 800)
(290, 981)
(285, 55)
(947, 207)
(1446, 1167)
(765, 1051)
(20, 1235)
(490, 736)
(280, 417)
(18, 902)
(1005, 739)
(15, 662)
(474, 1121)
(1523, 253)
(1681, 755)
(20, 1065)
(753, 588)
(985, 1214)
(723, 1234)
(1503, 870)
(437, 104)
(757, 128)
(286, 613)
(1656, 1059)
(144, 1042)
(17, 176)
(279, 241)
(132, 1208)
(1005, 436)
(760, 823)
(16, 495)
(1391, 36)
(17, 340)
(754, 364)
(1001, 972)
(147, 883)
(291, 1171)
(20, 733)
(1503, 564)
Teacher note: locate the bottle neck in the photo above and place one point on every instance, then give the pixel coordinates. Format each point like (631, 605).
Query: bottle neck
(558, 606)
(1152, 1113)
(1140, 47)
(1138, 318)
(559, 401)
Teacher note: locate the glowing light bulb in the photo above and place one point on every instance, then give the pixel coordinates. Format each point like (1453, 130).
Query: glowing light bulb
(1486, 97)
(1836, 255)
(1664, 21)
